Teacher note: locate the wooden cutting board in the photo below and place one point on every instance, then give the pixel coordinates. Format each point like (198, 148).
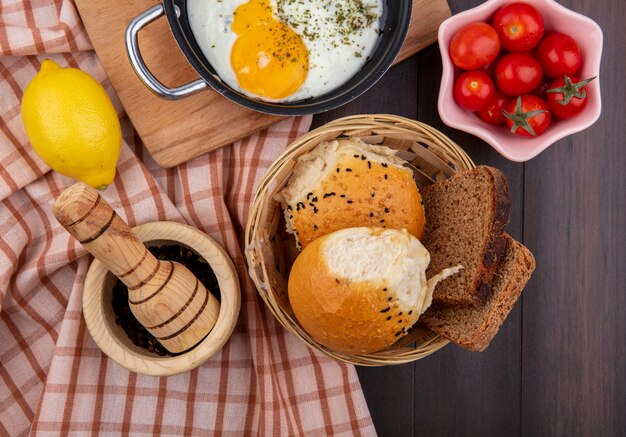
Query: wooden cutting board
(176, 131)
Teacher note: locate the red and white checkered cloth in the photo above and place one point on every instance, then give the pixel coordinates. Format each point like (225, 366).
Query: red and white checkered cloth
(53, 378)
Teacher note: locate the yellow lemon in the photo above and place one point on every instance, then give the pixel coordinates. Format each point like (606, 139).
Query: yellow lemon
(72, 124)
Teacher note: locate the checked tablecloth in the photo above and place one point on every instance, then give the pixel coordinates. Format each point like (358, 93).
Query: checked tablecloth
(53, 378)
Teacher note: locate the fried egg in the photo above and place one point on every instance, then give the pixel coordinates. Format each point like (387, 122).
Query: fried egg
(285, 50)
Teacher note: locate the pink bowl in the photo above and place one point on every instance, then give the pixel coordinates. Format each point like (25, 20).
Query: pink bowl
(557, 19)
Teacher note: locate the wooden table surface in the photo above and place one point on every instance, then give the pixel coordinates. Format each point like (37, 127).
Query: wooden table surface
(558, 365)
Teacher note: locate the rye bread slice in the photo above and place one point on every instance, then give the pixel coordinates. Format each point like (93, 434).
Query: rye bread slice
(473, 328)
(465, 218)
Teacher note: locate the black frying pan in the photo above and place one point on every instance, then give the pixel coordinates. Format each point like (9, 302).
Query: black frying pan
(394, 25)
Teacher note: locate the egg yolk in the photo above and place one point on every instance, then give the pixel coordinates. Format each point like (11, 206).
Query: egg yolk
(268, 57)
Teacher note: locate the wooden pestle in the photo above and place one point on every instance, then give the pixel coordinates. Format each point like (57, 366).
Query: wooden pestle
(164, 296)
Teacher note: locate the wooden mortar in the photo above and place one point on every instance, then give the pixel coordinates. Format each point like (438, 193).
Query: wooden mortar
(164, 296)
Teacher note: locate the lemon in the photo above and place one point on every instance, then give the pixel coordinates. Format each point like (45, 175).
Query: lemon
(72, 124)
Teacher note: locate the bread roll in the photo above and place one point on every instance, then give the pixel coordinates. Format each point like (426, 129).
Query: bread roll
(359, 290)
(348, 183)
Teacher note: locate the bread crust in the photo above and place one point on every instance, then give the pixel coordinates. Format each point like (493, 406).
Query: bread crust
(473, 328)
(358, 191)
(362, 317)
(497, 243)
(479, 290)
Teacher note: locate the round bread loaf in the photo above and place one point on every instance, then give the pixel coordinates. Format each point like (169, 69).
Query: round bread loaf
(358, 290)
(348, 183)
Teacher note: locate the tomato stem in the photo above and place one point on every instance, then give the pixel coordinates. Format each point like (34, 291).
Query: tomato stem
(571, 90)
(520, 118)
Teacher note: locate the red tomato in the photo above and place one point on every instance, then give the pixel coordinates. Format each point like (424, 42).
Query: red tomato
(528, 52)
(567, 97)
(473, 89)
(519, 26)
(492, 112)
(543, 86)
(559, 55)
(528, 116)
(473, 46)
(517, 74)
(491, 67)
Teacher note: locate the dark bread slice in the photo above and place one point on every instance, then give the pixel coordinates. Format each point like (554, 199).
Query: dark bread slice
(473, 328)
(465, 218)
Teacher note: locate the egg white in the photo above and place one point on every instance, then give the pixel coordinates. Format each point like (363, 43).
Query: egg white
(333, 59)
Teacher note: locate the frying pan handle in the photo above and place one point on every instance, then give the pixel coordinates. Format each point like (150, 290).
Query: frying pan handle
(132, 47)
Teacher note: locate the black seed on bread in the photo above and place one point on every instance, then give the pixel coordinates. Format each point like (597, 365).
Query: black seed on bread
(465, 218)
(473, 328)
